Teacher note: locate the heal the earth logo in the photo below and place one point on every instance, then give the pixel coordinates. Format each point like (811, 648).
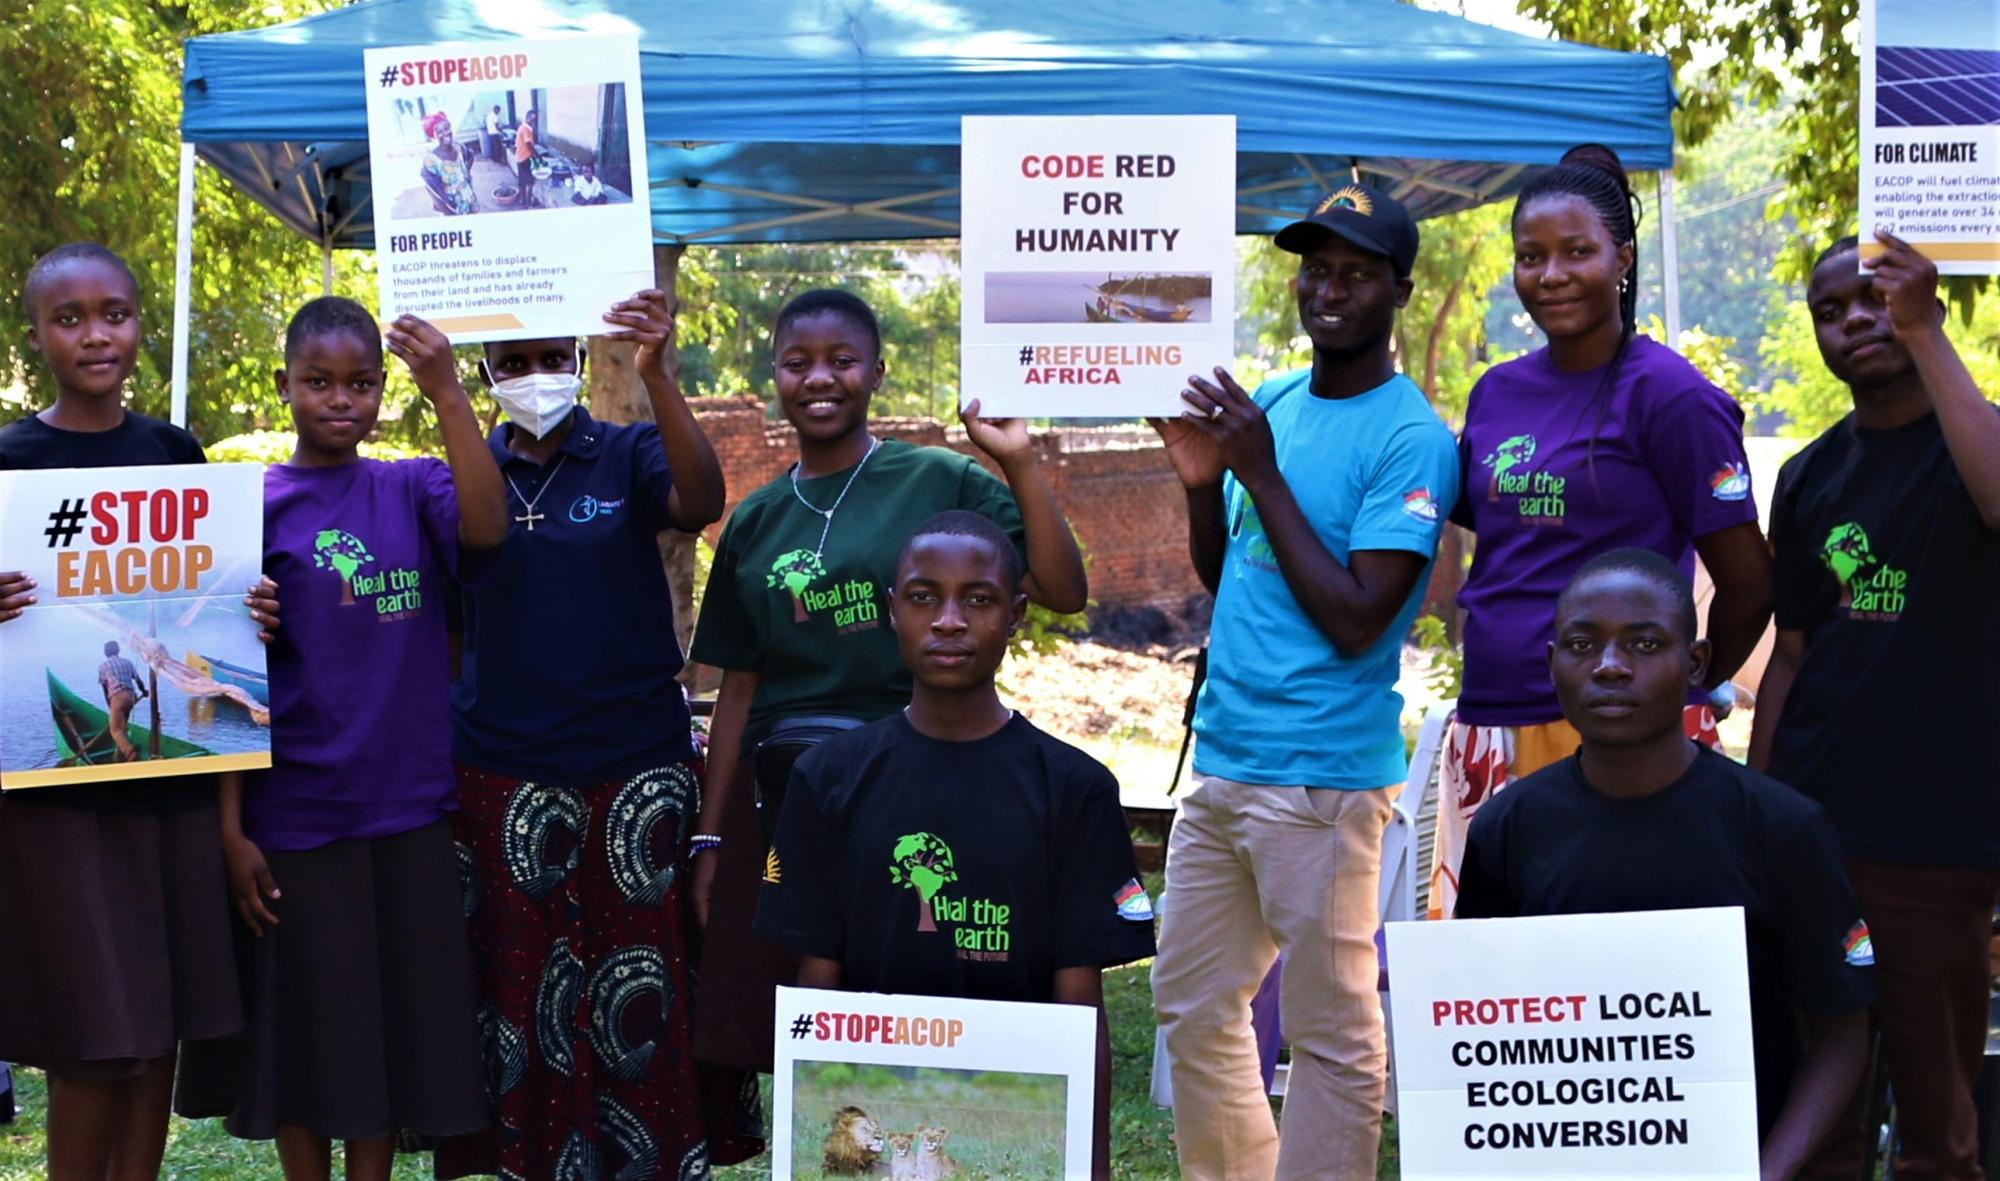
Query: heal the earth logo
(1869, 590)
(978, 926)
(853, 603)
(1539, 494)
(394, 594)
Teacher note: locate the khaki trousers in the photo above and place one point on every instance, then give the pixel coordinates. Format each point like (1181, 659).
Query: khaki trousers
(1254, 870)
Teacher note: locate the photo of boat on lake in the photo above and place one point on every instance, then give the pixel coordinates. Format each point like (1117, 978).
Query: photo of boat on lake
(132, 690)
(1097, 297)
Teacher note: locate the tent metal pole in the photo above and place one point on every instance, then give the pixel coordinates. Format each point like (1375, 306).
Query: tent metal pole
(1670, 258)
(183, 297)
(326, 264)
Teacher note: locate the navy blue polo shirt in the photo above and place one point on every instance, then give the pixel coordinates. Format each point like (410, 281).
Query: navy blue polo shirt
(567, 670)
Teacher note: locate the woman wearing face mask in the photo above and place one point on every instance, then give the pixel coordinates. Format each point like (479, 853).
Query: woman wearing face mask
(577, 781)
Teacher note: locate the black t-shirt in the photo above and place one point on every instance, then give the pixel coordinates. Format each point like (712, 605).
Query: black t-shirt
(1720, 835)
(31, 444)
(972, 869)
(1884, 564)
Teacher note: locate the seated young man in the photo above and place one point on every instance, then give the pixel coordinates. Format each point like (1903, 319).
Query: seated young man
(1642, 819)
(954, 849)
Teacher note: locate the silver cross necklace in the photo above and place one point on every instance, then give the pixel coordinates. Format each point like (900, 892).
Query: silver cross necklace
(820, 549)
(530, 516)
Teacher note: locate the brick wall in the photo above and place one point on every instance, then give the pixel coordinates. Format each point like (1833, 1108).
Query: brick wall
(1114, 484)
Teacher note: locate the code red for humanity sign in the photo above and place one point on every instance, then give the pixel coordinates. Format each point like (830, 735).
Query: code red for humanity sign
(878, 1084)
(1099, 260)
(1574, 1046)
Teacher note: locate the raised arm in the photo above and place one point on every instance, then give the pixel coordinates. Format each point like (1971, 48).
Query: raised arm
(1907, 282)
(1055, 576)
(696, 498)
(482, 498)
(1198, 464)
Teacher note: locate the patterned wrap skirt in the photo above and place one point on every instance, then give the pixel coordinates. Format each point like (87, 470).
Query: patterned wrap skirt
(583, 958)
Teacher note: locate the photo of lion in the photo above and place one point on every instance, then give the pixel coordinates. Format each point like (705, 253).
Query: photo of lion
(911, 1123)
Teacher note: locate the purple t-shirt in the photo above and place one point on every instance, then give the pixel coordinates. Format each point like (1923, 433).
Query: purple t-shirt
(360, 712)
(1667, 466)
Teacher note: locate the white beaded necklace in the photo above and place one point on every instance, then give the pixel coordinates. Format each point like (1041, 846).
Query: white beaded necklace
(820, 549)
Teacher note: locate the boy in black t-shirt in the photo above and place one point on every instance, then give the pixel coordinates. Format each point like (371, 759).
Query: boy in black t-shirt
(1643, 819)
(953, 849)
(1882, 688)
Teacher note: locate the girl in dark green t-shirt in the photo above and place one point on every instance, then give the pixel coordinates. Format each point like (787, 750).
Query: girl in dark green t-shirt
(795, 613)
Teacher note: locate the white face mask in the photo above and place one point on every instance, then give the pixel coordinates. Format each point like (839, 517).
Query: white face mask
(539, 402)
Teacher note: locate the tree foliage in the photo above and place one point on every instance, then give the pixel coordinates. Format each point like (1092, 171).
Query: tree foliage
(913, 289)
(91, 150)
(1440, 338)
(1726, 52)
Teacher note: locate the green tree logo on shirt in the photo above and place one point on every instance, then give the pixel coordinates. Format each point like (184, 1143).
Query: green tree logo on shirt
(344, 554)
(796, 570)
(1513, 453)
(923, 862)
(1869, 590)
(1846, 553)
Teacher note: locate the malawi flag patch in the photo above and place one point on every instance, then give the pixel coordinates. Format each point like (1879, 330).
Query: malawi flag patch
(1132, 902)
(1860, 950)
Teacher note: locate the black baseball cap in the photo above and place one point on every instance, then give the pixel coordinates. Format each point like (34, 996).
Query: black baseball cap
(1367, 217)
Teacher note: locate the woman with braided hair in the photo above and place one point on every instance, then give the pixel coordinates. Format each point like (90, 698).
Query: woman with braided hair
(1602, 438)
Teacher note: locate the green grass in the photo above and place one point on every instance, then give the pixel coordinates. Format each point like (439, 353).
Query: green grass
(1000, 1125)
(1141, 1148)
(196, 1151)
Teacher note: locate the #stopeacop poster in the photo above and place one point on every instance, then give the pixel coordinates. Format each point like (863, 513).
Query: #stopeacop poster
(139, 658)
(509, 184)
(1099, 261)
(1930, 129)
(878, 1084)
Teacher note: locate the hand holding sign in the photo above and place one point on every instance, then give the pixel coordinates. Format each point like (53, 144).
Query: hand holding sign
(1907, 284)
(262, 600)
(1233, 423)
(647, 321)
(1005, 439)
(428, 354)
(16, 594)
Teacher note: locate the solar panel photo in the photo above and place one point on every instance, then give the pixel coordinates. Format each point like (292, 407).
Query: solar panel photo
(1936, 87)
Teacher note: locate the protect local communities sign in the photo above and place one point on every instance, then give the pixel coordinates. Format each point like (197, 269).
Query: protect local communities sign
(1574, 1046)
(509, 184)
(1099, 262)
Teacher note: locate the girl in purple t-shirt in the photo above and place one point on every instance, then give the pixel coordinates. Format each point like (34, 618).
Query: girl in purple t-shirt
(1603, 438)
(360, 1019)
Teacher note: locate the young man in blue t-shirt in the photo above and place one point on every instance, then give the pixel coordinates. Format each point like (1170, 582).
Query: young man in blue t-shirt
(1313, 513)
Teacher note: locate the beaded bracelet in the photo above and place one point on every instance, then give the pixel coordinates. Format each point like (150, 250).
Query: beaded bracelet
(702, 842)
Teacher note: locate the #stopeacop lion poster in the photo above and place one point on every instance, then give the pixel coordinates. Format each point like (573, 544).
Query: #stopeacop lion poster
(139, 658)
(509, 184)
(883, 1085)
(1099, 259)
(1930, 129)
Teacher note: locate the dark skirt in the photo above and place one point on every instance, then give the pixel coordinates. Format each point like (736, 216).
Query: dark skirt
(740, 973)
(114, 938)
(586, 990)
(359, 1002)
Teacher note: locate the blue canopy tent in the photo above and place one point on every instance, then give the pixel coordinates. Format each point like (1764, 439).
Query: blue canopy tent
(826, 120)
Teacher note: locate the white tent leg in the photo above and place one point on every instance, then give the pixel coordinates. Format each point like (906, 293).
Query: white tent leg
(183, 297)
(1670, 258)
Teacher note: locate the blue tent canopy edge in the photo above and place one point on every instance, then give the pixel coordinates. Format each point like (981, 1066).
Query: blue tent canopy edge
(829, 120)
